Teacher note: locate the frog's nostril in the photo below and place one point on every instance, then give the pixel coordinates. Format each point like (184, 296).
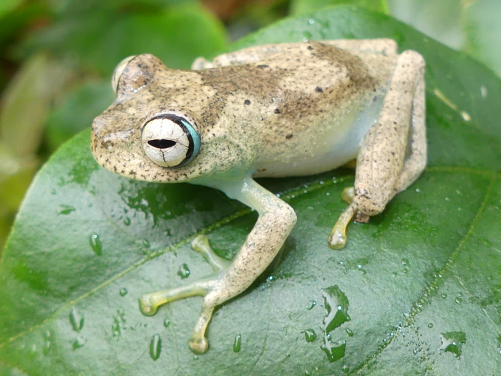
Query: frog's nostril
(162, 144)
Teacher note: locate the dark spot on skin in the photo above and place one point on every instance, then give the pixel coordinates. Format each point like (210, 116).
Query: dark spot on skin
(247, 102)
(277, 110)
(318, 89)
(263, 66)
(310, 47)
(289, 136)
(261, 170)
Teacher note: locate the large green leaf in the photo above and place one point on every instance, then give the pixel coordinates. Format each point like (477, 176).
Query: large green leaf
(482, 29)
(100, 39)
(417, 289)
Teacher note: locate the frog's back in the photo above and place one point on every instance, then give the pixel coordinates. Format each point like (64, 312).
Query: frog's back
(298, 108)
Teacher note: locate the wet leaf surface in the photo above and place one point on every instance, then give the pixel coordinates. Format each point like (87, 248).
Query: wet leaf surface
(418, 286)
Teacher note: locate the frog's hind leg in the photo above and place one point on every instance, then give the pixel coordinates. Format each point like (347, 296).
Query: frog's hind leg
(393, 152)
(276, 220)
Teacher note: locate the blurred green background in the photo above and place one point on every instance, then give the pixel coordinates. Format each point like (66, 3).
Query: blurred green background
(57, 57)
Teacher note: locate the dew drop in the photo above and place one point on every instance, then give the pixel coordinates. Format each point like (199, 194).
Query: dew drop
(48, 344)
(452, 342)
(66, 209)
(127, 221)
(310, 335)
(311, 21)
(444, 296)
(79, 342)
(76, 319)
(123, 291)
(33, 350)
(155, 347)
(465, 115)
(237, 343)
(483, 92)
(349, 332)
(146, 243)
(334, 353)
(334, 297)
(458, 300)
(430, 325)
(96, 244)
(183, 271)
(311, 305)
(166, 323)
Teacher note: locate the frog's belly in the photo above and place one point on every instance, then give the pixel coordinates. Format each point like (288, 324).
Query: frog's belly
(331, 150)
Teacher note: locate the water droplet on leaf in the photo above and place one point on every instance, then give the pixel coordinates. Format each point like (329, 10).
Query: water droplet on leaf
(96, 244)
(237, 343)
(155, 347)
(79, 342)
(183, 271)
(310, 335)
(76, 319)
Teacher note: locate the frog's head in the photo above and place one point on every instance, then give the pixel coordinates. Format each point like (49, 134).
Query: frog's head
(152, 133)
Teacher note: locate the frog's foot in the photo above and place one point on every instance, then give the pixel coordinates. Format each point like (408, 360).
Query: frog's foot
(149, 303)
(337, 238)
(201, 244)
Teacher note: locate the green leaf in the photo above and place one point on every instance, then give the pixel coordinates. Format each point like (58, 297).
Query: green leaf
(100, 40)
(26, 103)
(6, 6)
(440, 20)
(77, 111)
(308, 6)
(483, 31)
(418, 285)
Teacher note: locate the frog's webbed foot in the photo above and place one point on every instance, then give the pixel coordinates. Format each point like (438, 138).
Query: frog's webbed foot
(201, 244)
(149, 303)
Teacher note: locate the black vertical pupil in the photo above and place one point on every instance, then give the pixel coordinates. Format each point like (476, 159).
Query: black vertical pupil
(162, 144)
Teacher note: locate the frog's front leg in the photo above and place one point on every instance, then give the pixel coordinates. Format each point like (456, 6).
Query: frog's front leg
(276, 220)
(393, 153)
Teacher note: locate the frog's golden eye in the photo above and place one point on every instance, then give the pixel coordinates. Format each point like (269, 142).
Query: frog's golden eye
(118, 72)
(170, 140)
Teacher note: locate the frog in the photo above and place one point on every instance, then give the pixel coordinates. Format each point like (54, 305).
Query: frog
(274, 110)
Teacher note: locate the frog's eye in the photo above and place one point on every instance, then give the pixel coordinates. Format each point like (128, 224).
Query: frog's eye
(170, 140)
(118, 72)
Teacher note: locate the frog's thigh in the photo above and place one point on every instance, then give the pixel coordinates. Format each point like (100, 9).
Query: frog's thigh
(384, 46)
(382, 168)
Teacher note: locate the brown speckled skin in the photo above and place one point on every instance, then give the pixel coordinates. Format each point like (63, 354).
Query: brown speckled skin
(285, 107)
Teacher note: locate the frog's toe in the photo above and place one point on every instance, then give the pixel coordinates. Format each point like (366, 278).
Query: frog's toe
(199, 344)
(201, 244)
(337, 238)
(146, 307)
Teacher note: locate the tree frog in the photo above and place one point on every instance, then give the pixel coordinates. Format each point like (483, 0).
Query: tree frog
(267, 111)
